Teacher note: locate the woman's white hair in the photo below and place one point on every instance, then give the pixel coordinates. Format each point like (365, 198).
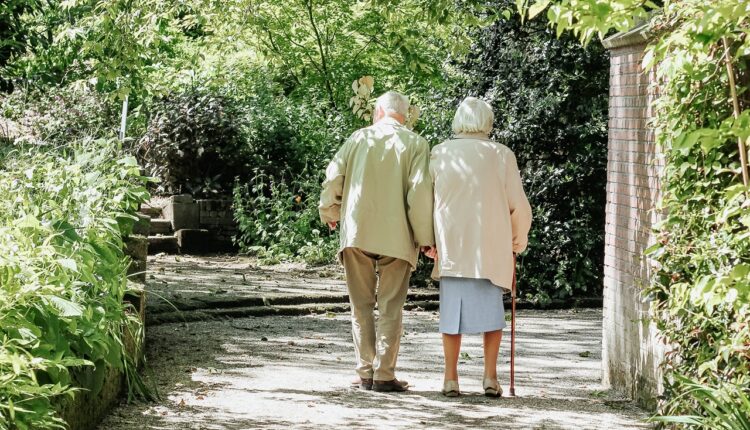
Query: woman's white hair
(473, 116)
(393, 102)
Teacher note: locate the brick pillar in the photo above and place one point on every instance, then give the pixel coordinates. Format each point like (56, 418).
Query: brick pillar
(631, 353)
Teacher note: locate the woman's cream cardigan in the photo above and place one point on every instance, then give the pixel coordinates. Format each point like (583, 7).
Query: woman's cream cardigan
(482, 215)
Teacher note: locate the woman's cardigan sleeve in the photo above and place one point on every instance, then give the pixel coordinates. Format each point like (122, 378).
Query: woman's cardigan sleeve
(520, 209)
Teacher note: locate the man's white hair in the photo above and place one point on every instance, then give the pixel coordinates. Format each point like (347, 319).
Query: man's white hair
(473, 116)
(393, 102)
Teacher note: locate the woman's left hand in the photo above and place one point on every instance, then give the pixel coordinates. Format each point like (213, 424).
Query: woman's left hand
(430, 252)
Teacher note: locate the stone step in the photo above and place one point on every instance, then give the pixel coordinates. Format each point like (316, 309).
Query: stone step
(152, 211)
(166, 244)
(216, 301)
(161, 226)
(211, 309)
(260, 311)
(202, 241)
(143, 225)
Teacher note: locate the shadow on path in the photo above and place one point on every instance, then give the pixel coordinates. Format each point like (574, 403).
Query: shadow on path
(294, 372)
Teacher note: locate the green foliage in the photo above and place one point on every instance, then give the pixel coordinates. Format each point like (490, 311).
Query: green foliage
(701, 291)
(13, 35)
(234, 125)
(24, 31)
(589, 18)
(194, 143)
(549, 96)
(279, 220)
(703, 284)
(725, 408)
(318, 48)
(58, 115)
(112, 43)
(62, 274)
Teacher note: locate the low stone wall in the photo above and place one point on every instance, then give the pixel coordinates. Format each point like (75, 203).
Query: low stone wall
(136, 247)
(102, 389)
(87, 408)
(217, 217)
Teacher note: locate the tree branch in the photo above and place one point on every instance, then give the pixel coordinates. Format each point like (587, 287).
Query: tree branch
(736, 109)
(281, 55)
(306, 53)
(323, 62)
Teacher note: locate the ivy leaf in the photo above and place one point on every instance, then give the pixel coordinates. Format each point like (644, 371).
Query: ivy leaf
(68, 263)
(710, 140)
(648, 60)
(521, 6)
(28, 221)
(66, 307)
(741, 271)
(653, 250)
(537, 8)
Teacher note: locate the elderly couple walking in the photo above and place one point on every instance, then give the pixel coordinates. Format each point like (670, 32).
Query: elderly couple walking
(463, 205)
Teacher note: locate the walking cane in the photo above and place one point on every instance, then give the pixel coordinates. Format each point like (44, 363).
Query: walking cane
(513, 333)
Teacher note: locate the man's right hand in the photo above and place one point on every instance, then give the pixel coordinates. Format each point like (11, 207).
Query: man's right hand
(333, 224)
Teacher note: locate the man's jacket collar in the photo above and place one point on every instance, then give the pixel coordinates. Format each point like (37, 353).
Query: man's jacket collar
(389, 120)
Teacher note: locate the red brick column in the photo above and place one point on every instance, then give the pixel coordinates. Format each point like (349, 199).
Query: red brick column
(630, 350)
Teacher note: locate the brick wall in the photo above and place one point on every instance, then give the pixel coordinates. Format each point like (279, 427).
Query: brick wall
(631, 352)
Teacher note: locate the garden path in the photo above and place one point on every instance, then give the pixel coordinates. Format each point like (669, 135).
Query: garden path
(294, 372)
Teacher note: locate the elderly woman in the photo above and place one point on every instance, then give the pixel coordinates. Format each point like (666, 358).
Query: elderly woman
(482, 218)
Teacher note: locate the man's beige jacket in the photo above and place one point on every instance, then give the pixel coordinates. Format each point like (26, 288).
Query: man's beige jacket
(482, 215)
(378, 186)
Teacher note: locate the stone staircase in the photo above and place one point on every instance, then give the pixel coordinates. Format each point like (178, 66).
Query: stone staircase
(161, 235)
(179, 224)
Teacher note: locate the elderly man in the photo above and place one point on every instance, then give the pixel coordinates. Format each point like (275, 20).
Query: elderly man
(378, 186)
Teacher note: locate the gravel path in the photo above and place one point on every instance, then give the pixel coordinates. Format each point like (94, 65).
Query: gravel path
(294, 372)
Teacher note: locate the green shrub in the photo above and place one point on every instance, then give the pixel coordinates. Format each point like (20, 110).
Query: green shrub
(193, 143)
(275, 202)
(285, 138)
(701, 290)
(278, 220)
(200, 139)
(725, 407)
(63, 274)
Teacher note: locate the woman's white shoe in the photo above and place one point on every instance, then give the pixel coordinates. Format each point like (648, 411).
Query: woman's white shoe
(492, 388)
(450, 389)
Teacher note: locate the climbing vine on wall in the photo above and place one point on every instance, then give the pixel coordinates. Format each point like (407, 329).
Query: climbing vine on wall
(701, 292)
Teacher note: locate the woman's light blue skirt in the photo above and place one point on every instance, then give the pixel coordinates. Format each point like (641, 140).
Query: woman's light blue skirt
(469, 306)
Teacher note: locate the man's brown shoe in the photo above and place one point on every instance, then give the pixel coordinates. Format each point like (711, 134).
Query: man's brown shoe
(389, 386)
(364, 383)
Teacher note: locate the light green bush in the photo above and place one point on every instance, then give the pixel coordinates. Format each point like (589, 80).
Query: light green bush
(62, 274)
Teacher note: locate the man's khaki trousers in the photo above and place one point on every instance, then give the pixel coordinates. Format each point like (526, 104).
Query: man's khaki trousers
(376, 348)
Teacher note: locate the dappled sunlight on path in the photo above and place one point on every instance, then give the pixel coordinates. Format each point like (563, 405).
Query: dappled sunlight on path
(294, 372)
